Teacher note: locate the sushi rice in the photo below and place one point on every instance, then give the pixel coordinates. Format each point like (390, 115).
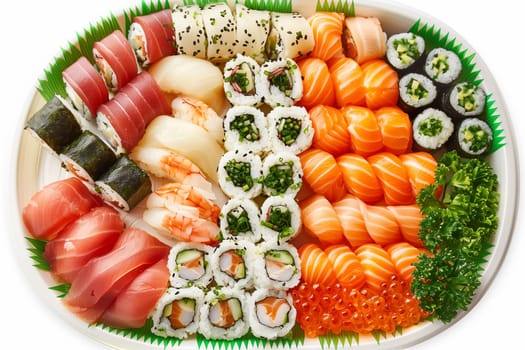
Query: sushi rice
(277, 266)
(239, 218)
(246, 127)
(240, 173)
(183, 253)
(280, 218)
(290, 129)
(233, 264)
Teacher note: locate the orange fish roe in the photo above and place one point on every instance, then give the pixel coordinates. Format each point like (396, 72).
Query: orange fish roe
(334, 308)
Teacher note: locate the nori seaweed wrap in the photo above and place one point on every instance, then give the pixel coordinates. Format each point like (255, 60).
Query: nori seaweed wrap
(472, 138)
(55, 125)
(124, 184)
(404, 52)
(464, 100)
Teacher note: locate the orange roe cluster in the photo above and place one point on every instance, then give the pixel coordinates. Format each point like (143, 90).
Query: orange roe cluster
(335, 308)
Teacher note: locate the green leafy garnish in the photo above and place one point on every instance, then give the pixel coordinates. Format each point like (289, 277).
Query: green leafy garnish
(460, 218)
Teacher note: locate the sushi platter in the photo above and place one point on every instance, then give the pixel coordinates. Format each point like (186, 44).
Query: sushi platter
(259, 174)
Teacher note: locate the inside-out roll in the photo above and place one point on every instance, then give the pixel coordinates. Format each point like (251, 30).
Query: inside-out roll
(282, 174)
(239, 218)
(290, 36)
(290, 129)
(220, 27)
(280, 82)
(272, 313)
(233, 264)
(246, 127)
(277, 266)
(239, 174)
(240, 81)
(189, 265)
(280, 218)
(253, 28)
(190, 35)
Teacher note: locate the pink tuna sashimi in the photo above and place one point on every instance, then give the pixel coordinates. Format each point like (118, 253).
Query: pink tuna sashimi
(132, 306)
(102, 279)
(90, 236)
(57, 205)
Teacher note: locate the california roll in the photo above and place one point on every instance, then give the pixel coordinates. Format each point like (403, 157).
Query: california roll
(189, 265)
(272, 313)
(277, 266)
(233, 264)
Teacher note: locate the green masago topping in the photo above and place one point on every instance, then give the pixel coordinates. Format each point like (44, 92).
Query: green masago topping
(476, 137)
(279, 219)
(440, 65)
(430, 127)
(239, 173)
(407, 49)
(245, 126)
(242, 79)
(416, 90)
(288, 130)
(238, 221)
(466, 97)
(280, 177)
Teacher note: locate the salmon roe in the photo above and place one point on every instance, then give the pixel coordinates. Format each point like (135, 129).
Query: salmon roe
(334, 308)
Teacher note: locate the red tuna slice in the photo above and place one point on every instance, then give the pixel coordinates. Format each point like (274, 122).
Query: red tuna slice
(90, 236)
(132, 307)
(115, 52)
(102, 279)
(87, 83)
(128, 133)
(56, 205)
(159, 33)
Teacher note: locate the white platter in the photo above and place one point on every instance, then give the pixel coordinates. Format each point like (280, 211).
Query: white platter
(35, 168)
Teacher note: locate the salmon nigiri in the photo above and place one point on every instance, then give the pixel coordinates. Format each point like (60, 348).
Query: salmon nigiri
(321, 172)
(348, 81)
(346, 265)
(381, 84)
(378, 267)
(403, 256)
(331, 132)
(317, 83)
(320, 219)
(364, 130)
(327, 28)
(359, 178)
(396, 129)
(393, 178)
(316, 267)
(420, 167)
(409, 219)
(348, 211)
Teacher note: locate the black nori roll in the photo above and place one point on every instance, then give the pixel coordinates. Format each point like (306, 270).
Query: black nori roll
(124, 184)
(55, 125)
(88, 157)
(472, 138)
(416, 92)
(432, 129)
(464, 100)
(443, 67)
(404, 52)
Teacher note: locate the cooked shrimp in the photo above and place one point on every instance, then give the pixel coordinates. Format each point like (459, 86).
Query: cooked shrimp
(199, 113)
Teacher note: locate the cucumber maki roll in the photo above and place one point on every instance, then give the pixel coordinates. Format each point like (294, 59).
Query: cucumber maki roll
(224, 314)
(272, 313)
(404, 51)
(240, 83)
(282, 174)
(277, 266)
(124, 184)
(232, 263)
(239, 218)
(443, 66)
(88, 157)
(280, 82)
(416, 91)
(177, 313)
(464, 100)
(280, 218)
(54, 125)
(189, 265)
(239, 174)
(246, 127)
(473, 138)
(432, 128)
(290, 129)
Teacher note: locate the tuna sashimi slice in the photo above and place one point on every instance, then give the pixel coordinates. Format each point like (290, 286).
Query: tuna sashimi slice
(132, 306)
(102, 279)
(56, 205)
(90, 236)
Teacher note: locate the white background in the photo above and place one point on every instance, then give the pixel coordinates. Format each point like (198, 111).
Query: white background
(32, 33)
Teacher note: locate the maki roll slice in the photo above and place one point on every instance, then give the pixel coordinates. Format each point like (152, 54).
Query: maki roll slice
(239, 218)
(280, 82)
(473, 138)
(177, 312)
(220, 29)
(277, 266)
(240, 83)
(232, 263)
(272, 313)
(239, 174)
(290, 36)
(246, 127)
(280, 218)
(282, 174)
(88, 157)
(124, 184)
(442, 66)
(290, 129)
(190, 35)
(464, 99)
(189, 265)
(253, 28)
(432, 128)
(416, 91)
(404, 51)
(224, 314)
(54, 125)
